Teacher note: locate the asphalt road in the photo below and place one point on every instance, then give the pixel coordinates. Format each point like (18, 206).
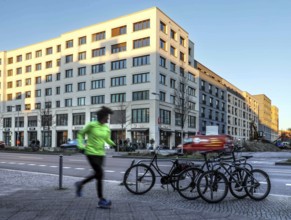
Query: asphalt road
(77, 166)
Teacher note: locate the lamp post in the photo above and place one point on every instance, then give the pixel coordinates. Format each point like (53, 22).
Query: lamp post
(155, 93)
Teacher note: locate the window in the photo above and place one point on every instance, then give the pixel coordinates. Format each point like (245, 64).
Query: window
(28, 69)
(37, 105)
(9, 85)
(78, 118)
(32, 121)
(48, 92)
(38, 80)
(49, 51)
(69, 58)
(172, 99)
(191, 121)
(69, 73)
(10, 72)
(19, 58)
(49, 78)
(38, 53)
(162, 44)
(173, 51)
(62, 120)
(98, 84)
(82, 55)
(182, 41)
(58, 104)
(38, 93)
(163, 27)
(98, 68)
(7, 122)
(19, 71)
(191, 91)
(58, 76)
(192, 105)
(19, 122)
(141, 25)
(49, 64)
(119, 97)
(118, 81)
(140, 61)
(68, 102)
(143, 42)
(118, 31)
(173, 35)
(119, 64)
(173, 67)
(191, 77)
(182, 56)
(97, 99)
(163, 62)
(9, 97)
(172, 83)
(18, 83)
(28, 56)
(182, 72)
(182, 87)
(81, 101)
(116, 48)
(58, 48)
(141, 115)
(165, 116)
(162, 79)
(82, 40)
(58, 62)
(81, 71)
(58, 90)
(38, 66)
(82, 86)
(178, 119)
(18, 95)
(98, 36)
(140, 78)
(68, 88)
(162, 96)
(10, 60)
(210, 88)
(98, 52)
(140, 95)
(27, 94)
(69, 43)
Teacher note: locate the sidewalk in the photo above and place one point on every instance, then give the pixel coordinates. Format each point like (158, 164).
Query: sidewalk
(26, 195)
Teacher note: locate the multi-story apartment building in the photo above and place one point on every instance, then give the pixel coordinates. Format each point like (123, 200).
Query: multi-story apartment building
(275, 123)
(212, 100)
(224, 105)
(134, 64)
(265, 115)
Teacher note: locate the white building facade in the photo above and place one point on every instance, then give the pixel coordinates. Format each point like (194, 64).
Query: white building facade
(133, 64)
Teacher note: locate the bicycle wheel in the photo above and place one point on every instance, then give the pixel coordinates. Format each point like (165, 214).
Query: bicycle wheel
(187, 183)
(258, 184)
(212, 186)
(236, 183)
(139, 179)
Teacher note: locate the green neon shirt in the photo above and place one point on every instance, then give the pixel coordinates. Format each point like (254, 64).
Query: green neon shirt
(98, 134)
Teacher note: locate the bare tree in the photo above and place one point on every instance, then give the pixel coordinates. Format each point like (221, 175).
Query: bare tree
(181, 105)
(47, 120)
(119, 117)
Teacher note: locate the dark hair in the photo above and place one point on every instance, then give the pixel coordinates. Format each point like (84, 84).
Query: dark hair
(103, 112)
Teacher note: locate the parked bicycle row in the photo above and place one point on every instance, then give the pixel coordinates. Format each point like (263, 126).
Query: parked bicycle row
(211, 180)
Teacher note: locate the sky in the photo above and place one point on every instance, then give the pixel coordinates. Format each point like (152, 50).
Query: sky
(246, 42)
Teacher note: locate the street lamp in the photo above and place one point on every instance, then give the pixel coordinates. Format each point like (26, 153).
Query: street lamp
(154, 93)
(17, 136)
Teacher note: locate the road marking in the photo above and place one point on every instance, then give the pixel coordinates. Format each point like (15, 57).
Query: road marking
(3, 162)
(109, 171)
(11, 163)
(53, 166)
(123, 172)
(42, 165)
(30, 157)
(67, 167)
(79, 168)
(31, 164)
(20, 163)
(288, 184)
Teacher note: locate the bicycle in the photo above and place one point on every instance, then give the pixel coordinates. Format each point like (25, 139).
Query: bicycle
(139, 178)
(213, 185)
(187, 180)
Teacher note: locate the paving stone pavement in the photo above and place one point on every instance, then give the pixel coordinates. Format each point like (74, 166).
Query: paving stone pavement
(27, 195)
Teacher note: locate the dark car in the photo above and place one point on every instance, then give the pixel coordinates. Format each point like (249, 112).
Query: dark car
(2, 144)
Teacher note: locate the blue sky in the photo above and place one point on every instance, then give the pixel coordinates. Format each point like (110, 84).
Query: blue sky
(246, 42)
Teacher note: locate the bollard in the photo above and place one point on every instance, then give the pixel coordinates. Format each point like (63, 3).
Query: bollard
(61, 172)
